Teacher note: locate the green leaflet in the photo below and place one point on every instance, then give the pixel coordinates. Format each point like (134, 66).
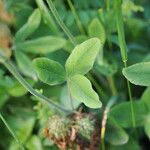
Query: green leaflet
(131, 145)
(115, 135)
(17, 90)
(124, 119)
(146, 97)
(49, 71)
(20, 146)
(42, 45)
(107, 67)
(31, 25)
(67, 101)
(81, 90)
(147, 126)
(5, 81)
(22, 123)
(82, 57)
(138, 74)
(96, 29)
(3, 97)
(25, 64)
(34, 142)
(1, 72)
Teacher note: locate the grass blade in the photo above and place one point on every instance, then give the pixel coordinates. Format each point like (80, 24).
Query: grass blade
(12, 132)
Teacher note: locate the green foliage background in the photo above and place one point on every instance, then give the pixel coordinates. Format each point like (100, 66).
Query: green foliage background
(43, 37)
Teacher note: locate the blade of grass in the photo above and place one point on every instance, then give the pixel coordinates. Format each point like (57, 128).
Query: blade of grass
(123, 50)
(78, 22)
(120, 28)
(11, 132)
(60, 22)
(112, 85)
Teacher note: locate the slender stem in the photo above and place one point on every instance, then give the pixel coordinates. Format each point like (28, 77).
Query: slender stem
(26, 85)
(71, 100)
(123, 49)
(60, 22)
(107, 4)
(11, 131)
(112, 85)
(131, 102)
(103, 144)
(78, 22)
(111, 102)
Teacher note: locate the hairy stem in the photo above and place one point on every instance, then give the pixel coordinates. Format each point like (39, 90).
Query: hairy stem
(123, 49)
(12, 132)
(8, 64)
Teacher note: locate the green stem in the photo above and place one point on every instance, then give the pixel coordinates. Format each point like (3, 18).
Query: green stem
(78, 22)
(107, 5)
(11, 131)
(131, 102)
(123, 49)
(112, 85)
(71, 100)
(103, 144)
(60, 22)
(27, 86)
(120, 28)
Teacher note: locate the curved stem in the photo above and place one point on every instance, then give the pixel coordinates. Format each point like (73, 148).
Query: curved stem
(26, 85)
(60, 22)
(11, 131)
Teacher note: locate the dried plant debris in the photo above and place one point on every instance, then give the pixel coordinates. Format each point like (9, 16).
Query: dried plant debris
(5, 16)
(5, 40)
(76, 130)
